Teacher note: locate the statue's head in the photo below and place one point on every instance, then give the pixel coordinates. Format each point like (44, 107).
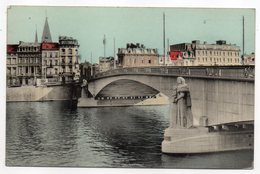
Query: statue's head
(180, 80)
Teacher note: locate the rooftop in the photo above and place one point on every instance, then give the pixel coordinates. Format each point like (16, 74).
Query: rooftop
(28, 44)
(104, 59)
(12, 48)
(50, 46)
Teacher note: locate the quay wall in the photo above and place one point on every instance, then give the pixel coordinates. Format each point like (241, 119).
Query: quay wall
(199, 140)
(41, 93)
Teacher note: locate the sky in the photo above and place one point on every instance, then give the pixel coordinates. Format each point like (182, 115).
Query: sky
(131, 25)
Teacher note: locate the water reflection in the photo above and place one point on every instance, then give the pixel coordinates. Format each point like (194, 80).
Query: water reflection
(51, 134)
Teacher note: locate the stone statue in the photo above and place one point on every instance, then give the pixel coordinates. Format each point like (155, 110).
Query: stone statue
(84, 83)
(84, 90)
(181, 116)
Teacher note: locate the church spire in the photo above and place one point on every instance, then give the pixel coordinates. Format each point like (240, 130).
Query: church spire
(36, 36)
(46, 35)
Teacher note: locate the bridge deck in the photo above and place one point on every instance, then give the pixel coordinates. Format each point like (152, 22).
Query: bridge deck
(241, 73)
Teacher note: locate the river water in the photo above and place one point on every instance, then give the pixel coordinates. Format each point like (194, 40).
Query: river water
(51, 134)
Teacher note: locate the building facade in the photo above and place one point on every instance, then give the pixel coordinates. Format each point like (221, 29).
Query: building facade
(29, 62)
(106, 63)
(203, 54)
(12, 65)
(136, 55)
(249, 59)
(50, 60)
(69, 57)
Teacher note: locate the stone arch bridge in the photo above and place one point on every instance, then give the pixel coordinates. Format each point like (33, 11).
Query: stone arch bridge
(223, 94)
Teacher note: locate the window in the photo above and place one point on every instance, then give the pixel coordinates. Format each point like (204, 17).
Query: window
(56, 62)
(9, 71)
(14, 60)
(149, 61)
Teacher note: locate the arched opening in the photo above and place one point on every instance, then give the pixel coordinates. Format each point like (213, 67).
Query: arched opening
(126, 89)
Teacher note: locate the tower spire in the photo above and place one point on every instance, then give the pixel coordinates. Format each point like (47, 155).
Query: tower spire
(36, 36)
(46, 35)
(104, 43)
(243, 25)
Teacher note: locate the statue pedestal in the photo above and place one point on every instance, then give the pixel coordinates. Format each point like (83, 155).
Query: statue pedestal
(200, 140)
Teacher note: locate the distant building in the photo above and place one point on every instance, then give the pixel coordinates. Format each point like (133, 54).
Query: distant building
(86, 70)
(50, 60)
(12, 65)
(69, 58)
(249, 59)
(199, 54)
(106, 63)
(95, 68)
(136, 55)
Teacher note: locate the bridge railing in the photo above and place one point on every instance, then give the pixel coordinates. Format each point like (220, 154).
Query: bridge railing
(229, 72)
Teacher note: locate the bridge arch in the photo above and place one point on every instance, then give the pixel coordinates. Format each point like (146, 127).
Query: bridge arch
(127, 88)
(96, 86)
